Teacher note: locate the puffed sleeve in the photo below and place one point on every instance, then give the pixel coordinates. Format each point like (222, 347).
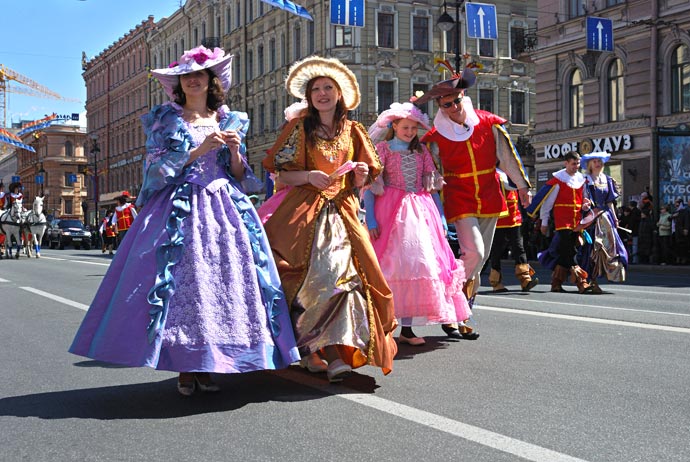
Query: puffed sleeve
(364, 151)
(282, 156)
(167, 149)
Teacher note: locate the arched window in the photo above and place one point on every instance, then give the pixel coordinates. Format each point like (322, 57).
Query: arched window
(615, 91)
(680, 80)
(69, 149)
(576, 100)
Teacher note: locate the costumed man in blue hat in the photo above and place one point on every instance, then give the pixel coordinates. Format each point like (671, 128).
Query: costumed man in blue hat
(470, 145)
(563, 194)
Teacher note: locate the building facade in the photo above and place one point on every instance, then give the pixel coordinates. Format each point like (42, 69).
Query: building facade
(53, 170)
(633, 102)
(394, 56)
(117, 95)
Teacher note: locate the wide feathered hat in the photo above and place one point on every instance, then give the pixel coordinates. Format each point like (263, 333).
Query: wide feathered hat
(315, 66)
(194, 60)
(603, 155)
(449, 87)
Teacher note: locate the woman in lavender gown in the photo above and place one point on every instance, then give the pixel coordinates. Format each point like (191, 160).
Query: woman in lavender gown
(193, 288)
(604, 252)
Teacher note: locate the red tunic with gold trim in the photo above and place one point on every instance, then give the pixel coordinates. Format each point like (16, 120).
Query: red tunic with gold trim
(514, 217)
(124, 217)
(469, 170)
(2, 200)
(566, 210)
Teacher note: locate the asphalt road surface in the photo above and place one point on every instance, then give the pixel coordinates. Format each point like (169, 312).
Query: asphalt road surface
(553, 377)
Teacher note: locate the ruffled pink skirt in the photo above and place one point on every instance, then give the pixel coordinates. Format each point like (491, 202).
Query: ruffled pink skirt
(417, 261)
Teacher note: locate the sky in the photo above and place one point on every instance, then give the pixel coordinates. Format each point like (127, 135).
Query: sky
(44, 39)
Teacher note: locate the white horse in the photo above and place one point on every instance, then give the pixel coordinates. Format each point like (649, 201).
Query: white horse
(11, 223)
(36, 222)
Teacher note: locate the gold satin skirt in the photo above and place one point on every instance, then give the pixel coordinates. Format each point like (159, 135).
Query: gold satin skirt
(605, 253)
(330, 307)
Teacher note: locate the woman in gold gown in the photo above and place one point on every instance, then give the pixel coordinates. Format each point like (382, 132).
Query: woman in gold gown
(340, 303)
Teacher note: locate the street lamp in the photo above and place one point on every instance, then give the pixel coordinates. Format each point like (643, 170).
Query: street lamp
(95, 150)
(446, 24)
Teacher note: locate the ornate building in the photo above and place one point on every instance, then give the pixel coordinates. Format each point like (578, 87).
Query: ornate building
(633, 102)
(53, 170)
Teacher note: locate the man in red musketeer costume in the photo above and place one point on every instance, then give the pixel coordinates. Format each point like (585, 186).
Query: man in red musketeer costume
(125, 213)
(562, 194)
(471, 144)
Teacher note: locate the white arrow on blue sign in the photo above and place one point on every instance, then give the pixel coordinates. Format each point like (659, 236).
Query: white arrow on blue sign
(599, 34)
(347, 12)
(481, 21)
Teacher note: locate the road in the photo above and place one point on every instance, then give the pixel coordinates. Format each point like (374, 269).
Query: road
(553, 377)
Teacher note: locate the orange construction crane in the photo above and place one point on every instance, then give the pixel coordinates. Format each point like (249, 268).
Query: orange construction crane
(34, 89)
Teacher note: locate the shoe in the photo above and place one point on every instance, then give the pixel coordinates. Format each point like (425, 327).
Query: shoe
(184, 387)
(337, 371)
(414, 341)
(313, 363)
(467, 332)
(451, 331)
(205, 383)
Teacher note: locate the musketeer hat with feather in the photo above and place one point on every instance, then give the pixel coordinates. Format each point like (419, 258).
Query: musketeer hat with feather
(449, 87)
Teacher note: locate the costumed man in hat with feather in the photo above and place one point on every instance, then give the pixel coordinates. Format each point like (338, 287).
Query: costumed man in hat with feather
(471, 144)
(125, 213)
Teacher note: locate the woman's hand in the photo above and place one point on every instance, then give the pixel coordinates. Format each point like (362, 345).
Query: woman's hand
(232, 140)
(374, 233)
(318, 179)
(213, 141)
(361, 172)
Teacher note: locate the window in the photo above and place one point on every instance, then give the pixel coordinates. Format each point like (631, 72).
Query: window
(298, 43)
(576, 8)
(238, 14)
(260, 58)
(228, 21)
(420, 33)
(680, 80)
(238, 72)
(576, 100)
(69, 149)
(272, 54)
(311, 33)
(196, 36)
(517, 41)
(250, 113)
(616, 92)
(386, 93)
(517, 107)
(283, 50)
(421, 87)
(453, 40)
(486, 48)
(486, 100)
(262, 118)
(343, 36)
(69, 206)
(250, 64)
(274, 115)
(614, 2)
(386, 30)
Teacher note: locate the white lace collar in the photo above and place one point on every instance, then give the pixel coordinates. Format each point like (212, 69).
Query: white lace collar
(576, 181)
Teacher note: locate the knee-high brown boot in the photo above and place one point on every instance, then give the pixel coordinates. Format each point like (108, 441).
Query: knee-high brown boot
(525, 274)
(579, 278)
(496, 281)
(558, 277)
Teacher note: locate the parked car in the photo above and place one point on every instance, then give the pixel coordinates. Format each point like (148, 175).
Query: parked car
(62, 232)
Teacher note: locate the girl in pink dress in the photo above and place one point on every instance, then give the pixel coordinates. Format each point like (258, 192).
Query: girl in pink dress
(406, 227)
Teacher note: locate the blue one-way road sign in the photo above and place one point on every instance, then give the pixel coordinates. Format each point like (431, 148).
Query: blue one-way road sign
(481, 21)
(347, 12)
(599, 34)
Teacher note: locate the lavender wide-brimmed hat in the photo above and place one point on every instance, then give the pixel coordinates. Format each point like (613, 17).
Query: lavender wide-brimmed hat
(193, 60)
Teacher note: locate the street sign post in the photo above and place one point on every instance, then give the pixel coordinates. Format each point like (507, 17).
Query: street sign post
(481, 21)
(599, 34)
(347, 13)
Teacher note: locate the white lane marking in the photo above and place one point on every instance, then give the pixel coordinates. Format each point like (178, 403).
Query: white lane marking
(580, 305)
(78, 261)
(444, 424)
(56, 298)
(3, 280)
(625, 289)
(52, 258)
(683, 330)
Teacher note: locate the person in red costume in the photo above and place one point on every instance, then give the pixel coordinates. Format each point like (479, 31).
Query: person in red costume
(471, 144)
(125, 213)
(563, 194)
(508, 232)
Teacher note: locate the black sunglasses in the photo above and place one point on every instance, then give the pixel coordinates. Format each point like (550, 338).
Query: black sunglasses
(455, 102)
